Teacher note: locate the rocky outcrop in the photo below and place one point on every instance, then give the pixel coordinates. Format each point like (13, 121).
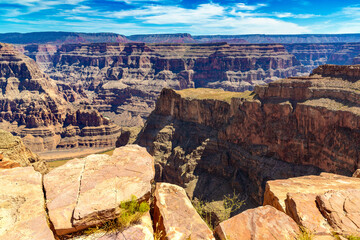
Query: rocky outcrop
(322, 204)
(93, 187)
(22, 212)
(14, 154)
(215, 141)
(261, 223)
(124, 80)
(35, 108)
(175, 217)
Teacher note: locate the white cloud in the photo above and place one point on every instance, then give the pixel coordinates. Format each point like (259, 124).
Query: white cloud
(292, 15)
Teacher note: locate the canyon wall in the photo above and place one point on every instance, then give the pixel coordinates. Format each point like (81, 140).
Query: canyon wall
(124, 80)
(32, 106)
(211, 141)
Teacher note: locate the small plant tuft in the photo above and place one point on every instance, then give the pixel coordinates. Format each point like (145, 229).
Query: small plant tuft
(305, 234)
(130, 212)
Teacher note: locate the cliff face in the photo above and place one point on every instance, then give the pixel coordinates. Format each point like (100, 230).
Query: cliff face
(206, 141)
(33, 107)
(125, 79)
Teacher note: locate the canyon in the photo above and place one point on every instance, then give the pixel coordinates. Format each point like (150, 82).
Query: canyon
(123, 80)
(35, 108)
(211, 141)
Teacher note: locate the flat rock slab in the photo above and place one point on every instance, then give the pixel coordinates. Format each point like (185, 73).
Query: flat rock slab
(303, 209)
(22, 205)
(276, 191)
(176, 217)
(297, 196)
(262, 223)
(342, 210)
(86, 192)
(143, 230)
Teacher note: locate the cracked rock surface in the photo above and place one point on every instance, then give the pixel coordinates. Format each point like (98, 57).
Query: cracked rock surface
(22, 205)
(86, 192)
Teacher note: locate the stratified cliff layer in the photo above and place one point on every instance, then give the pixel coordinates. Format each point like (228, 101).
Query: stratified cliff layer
(125, 79)
(33, 107)
(210, 141)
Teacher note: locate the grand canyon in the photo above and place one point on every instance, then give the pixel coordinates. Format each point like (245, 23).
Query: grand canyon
(179, 136)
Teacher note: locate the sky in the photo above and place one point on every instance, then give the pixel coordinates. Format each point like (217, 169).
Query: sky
(197, 17)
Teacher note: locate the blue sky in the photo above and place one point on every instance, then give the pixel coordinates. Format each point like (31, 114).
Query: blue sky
(191, 16)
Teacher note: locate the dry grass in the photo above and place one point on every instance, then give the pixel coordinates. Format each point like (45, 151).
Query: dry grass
(216, 94)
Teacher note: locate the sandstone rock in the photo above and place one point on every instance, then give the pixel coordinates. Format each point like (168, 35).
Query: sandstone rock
(13, 153)
(297, 196)
(39, 111)
(257, 224)
(341, 210)
(22, 205)
(277, 190)
(175, 216)
(93, 187)
(129, 89)
(143, 230)
(303, 209)
(357, 173)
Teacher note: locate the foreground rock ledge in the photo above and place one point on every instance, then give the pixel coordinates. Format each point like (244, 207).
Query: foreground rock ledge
(261, 223)
(86, 192)
(176, 217)
(22, 205)
(297, 197)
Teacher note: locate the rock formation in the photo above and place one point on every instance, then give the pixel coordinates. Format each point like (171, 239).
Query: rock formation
(261, 223)
(124, 80)
(175, 216)
(322, 204)
(14, 154)
(93, 187)
(22, 214)
(33, 107)
(211, 141)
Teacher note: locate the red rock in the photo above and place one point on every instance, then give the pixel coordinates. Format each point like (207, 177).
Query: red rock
(261, 223)
(93, 187)
(341, 210)
(357, 173)
(22, 211)
(175, 216)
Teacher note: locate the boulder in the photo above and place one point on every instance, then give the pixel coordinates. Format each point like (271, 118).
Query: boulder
(341, 210)
(302, 208)
(92, 188)
(261, 223)
(175, 217)
(22, 205)
(297, 197)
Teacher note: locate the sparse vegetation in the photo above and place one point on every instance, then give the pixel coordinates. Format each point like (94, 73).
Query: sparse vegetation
(213, 215)
(305, 234)
(353, 237)
(217, 94)
(130, 212)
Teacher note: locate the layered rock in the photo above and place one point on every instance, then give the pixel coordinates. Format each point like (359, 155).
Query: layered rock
(22, 212)
(322, 204)
(14, 154)
(33, 107)
(126, 79)
(175, 217)
(211, 141)
(257, 224)
(93, 187)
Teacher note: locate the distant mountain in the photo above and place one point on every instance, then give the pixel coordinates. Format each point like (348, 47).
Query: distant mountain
(60, 37)
(284, 39)
(163, 38)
